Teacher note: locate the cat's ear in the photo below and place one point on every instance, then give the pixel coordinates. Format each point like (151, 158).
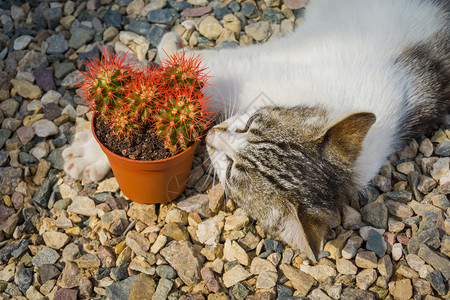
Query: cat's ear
(345, 138)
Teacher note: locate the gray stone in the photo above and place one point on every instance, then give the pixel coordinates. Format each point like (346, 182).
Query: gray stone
(62, 69)
(429, 237)
(121, 289)
(42, 196)
(400, 196)
(163, 289)
(10, 177)
(434, 259)
(44, 128)
(138, 27)
(426, 211)
(399, 209)
(357, 294)
(249, 10)
(81, 36)
(375, 214)
(119, 273)
(44, 257)
(376, 243)
(9, 107)
(166, 271)
(220, 9)
(443, 149)
(196, 204)
(4, 135)
(382, 183)
(57, 44)
(273, 15)
(52, 15)
(23, 278)
(113, 18)
(163, 16)
(437, 282)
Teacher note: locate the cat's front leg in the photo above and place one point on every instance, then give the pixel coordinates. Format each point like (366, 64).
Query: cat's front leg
(84, 159)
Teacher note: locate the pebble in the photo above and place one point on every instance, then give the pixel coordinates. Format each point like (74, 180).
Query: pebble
(55, 240)
(162, 16)
(26, 89)
(196, 11)
(44, 128)
(401, 289)
(45, 256)
(82, 205)
(57, 44)
(81, 36)
(397, 251)
(345, 266)
(210, 28)
(93, 234)
(249, 10)
(22, 42)
(258, 31)
(366, 259)
(350, 217)
(352, 246)
(210, 230)
(376, 243)
(182, 257)
(301, 281)
(235, 275)
(198, 204)
(443, 149)
(438, 262)
(366, 278)
(163, 288)
(266, 280)
(375, 214)
(273, 15)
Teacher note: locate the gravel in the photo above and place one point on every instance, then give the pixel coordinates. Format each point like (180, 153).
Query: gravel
(66, 239)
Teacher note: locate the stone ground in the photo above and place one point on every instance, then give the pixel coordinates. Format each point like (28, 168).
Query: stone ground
(65, 239)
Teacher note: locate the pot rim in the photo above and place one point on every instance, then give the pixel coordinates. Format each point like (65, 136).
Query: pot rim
(136, 160)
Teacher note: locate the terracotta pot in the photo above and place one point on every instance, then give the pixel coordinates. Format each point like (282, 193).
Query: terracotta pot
(158, 181)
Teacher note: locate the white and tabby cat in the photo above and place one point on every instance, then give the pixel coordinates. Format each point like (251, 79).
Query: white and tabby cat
(314, 115)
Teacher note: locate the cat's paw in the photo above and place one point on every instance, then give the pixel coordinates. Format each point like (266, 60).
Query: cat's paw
(84, 159)
(169, 45)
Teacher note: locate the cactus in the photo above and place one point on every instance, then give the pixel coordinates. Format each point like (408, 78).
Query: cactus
(181, 117)
(168, 99)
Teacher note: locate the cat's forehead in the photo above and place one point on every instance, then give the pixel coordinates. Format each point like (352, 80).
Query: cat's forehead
(238, 121)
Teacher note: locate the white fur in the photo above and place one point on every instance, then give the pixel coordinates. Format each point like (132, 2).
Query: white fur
(341, 57)
(85, 159)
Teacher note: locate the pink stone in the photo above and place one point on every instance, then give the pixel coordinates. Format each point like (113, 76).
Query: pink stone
(210, 279)
(25, 134)
(196, 12)
(17, 200)
(403, 239)
(390, 240)
(295, 4)
(92, 4)
(66, 294)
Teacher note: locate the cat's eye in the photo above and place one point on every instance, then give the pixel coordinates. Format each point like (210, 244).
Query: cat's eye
(249, 123)
(230, 165)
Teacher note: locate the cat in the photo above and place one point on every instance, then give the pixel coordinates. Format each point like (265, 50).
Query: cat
(311, 117)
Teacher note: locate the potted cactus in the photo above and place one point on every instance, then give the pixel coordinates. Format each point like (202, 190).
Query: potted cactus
(148, 121)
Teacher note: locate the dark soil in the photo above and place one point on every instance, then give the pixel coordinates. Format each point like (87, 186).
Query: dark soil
(144, 146)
